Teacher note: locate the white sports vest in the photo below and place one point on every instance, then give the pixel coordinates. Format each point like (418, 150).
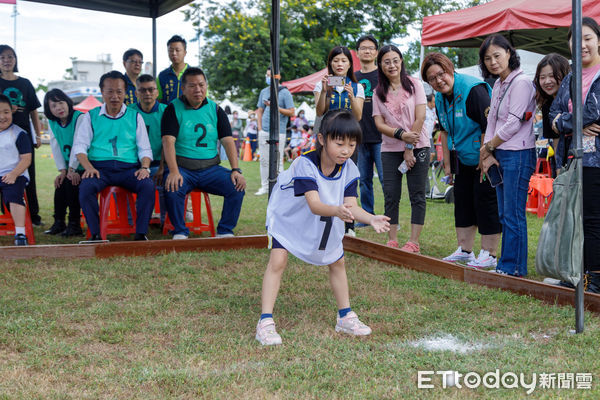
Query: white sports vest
(8, 149)
(314, 239)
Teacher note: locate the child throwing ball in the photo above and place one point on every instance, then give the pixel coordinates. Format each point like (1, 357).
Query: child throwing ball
(306, 214)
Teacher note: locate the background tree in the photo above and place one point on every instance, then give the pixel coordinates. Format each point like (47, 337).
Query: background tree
(236, 36)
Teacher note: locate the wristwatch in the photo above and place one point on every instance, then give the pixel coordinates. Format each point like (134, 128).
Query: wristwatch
(489, 147)
(147, 169)
(238, 170)
(409, 146)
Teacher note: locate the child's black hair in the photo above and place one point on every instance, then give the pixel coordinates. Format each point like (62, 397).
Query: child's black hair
(4, 99)
(57, 95)
(339, 124)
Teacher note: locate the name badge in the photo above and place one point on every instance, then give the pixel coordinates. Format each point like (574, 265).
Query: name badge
(459, 113)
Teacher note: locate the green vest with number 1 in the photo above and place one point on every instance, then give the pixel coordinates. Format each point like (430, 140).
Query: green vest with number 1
(198, 136)
(114, 139)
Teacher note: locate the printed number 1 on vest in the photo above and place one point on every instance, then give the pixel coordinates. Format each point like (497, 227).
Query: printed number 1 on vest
(113, 141)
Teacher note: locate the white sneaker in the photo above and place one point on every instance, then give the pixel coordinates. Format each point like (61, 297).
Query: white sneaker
(179, 236)
(266, 333)
(551, 281)
(351, 325)
(222, 235)
(460, 256)
(484, 261)
(351, 233)
(261, 191)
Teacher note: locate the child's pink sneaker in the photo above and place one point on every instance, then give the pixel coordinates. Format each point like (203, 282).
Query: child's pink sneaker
(392, 243)
(411, 248)
(266, 333)
(351, 325)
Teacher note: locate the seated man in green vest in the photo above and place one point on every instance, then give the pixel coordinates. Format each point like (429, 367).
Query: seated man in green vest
(191, 127)
(152, 111)
(111, 144)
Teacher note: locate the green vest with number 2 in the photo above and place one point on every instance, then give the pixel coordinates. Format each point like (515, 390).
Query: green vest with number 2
(114, 139)
(198, 136)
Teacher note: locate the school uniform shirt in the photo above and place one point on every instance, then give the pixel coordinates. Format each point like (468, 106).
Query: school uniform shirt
(14, 141)
(399, 111)
(84, 135)
(312, 238)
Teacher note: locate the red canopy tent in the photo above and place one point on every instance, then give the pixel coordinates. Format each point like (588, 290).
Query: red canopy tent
(87, 104)
(307, 83)
(535, 25)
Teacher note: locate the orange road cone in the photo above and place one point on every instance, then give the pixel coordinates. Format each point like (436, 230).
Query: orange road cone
(247, 150)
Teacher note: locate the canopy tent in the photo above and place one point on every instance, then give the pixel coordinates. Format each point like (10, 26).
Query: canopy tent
(87, 104)
(306, 84)
(139, 8)
(534, 25)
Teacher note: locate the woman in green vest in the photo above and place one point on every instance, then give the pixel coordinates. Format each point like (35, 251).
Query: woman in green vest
(462, 103)
(62, 119)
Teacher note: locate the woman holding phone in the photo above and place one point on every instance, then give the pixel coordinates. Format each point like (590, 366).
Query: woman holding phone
(462, 103)
(562, 123)
(399, 111)
(339, 88)
(508, 154)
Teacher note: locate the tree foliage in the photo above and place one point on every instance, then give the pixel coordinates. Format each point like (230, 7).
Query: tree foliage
(236, 35)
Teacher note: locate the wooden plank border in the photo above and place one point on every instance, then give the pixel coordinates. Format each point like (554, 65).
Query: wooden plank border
(549, 293)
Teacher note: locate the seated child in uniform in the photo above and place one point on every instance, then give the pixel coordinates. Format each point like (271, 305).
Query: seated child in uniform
(292, 149)
(317, 192)
(15, 157)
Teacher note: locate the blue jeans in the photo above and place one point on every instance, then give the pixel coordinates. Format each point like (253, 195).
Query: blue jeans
(214, 180)
(516, 167)
(368, 153)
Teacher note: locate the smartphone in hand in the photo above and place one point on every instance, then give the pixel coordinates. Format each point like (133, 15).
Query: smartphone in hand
(494, 175)
(336, 81)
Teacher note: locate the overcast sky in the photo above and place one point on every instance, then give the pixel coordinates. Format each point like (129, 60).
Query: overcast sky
(48, 35)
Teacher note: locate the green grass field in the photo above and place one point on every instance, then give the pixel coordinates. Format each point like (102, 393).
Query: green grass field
(181, 326)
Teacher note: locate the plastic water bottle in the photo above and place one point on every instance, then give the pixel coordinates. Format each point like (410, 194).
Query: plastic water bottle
(403, 168)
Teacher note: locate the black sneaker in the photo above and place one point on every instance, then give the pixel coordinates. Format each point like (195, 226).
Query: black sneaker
(36, 220)
(140, 236)
(56, 228)
(593, 282)
(73, 230)
(20, 240)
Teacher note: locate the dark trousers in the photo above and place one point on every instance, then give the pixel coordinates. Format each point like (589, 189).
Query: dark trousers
(67, 196)
(32, 200)
(591, 218)
(116, 173)
(416, 179)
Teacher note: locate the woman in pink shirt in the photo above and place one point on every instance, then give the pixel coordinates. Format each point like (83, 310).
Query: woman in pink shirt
(508, 154)
(399, 112)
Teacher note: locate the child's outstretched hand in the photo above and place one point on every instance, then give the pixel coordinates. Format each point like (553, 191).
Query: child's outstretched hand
(380, 223)
(344, 213)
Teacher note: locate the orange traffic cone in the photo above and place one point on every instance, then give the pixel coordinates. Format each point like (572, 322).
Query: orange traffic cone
(247, 150)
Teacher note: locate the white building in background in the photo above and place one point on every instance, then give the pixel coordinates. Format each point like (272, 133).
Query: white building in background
(86, 77)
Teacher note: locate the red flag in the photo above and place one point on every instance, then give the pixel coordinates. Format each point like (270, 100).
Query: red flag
(8, 1)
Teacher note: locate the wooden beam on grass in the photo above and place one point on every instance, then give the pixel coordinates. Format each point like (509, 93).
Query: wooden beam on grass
(549, 293)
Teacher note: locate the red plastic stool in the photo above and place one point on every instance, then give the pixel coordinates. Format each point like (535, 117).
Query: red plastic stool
(156, 220)
(532, 195)
(196, 225)
(7, 225)
(542, 167)
(113, 216)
